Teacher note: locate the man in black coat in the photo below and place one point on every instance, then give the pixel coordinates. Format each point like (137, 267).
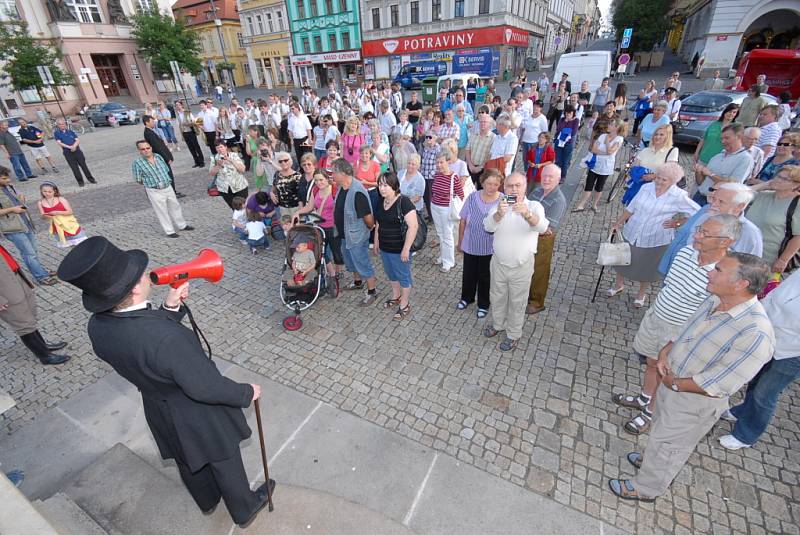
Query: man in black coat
(194, 413)
(159, 147)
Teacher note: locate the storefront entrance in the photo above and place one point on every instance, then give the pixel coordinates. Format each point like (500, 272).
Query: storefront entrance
(111, 75)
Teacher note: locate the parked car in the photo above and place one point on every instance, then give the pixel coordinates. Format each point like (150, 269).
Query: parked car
(703, 107)
(99, 114)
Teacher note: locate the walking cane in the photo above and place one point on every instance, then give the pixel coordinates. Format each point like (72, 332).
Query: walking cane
(263, 454)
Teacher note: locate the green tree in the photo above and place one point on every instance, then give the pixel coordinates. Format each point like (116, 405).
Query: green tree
(161, 40)
(648, 18)
(21, 54)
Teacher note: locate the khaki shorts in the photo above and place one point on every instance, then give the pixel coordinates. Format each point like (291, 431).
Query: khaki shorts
(653, 334)
(39, 152)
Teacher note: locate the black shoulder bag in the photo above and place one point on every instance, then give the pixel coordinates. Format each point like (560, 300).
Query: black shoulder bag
(422, 227)
(794, 261)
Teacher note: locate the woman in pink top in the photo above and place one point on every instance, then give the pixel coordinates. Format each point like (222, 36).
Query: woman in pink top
(323, 197)
(352, 139)
(445, 181)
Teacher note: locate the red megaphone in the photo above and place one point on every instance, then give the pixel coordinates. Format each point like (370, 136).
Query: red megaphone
(208, 265)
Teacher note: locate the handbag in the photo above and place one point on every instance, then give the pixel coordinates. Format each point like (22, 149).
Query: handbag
(212, 188)
(794, 261)
(614, 254)
(422, 228)
(455, 203)
(11, 223)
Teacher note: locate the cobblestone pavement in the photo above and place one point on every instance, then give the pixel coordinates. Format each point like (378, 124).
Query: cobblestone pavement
(540, 416)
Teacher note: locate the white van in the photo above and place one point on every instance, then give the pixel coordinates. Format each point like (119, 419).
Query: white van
(591, 66)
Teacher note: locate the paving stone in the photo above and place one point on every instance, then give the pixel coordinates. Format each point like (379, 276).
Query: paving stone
(774, 506)
(545, 459)
(740, 492)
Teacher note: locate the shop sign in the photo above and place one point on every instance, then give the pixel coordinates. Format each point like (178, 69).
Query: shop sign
(327, 57)
(470, 38)
(328, 21)
(272, 52)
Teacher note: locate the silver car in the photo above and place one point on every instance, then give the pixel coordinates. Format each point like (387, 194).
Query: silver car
(700, 109)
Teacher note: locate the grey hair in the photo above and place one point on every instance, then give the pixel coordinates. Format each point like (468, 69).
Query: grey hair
(504, 120)
(731, 226)
(342, 166)
(744, 193)
(552, 165)
(749, 130)
(662, 104)
(282, 155)
(751, 269)
(460, 107)
(670, 170)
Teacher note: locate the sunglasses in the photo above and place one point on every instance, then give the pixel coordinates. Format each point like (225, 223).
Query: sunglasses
(780, 144)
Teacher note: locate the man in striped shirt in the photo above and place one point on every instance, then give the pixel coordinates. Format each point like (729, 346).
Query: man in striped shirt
(721, 347)
(684, 290)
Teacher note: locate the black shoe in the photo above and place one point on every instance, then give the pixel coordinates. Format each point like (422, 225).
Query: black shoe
(188, 227)
(261, 493)
(173, 235)
(55, 346)
(210, 509)
(81, 184)
(93, 181)
(180, 195)
(38, 347)
(32, 176)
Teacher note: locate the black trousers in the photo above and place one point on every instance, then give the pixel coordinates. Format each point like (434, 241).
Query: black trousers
(194, 147)
(299, 148)
(77, 163)
(171, 178)
(228, 196)
(225, 479)
(476, 278)
(211, 141)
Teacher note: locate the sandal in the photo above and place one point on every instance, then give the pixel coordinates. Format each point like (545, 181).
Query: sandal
(462, 305)
(402, 312)
(625, 400)
(578, 209)
(639, 303)
(508, 344)
(635, 458)
(482, 312)
(490, 331)
(611, 292)
(640, 423)
(624, 489)
(391, 303)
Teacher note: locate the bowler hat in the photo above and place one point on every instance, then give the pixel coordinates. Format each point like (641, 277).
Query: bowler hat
(104, 272)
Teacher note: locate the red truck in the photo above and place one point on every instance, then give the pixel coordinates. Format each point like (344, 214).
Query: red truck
(781, 67)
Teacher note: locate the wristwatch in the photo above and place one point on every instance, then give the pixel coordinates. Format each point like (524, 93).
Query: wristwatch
(674, 386)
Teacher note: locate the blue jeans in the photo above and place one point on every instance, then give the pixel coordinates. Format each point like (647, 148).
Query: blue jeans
(169, 132)
(357, 260)
(25, 242)
(754, 414)
(21, 167)
(525, 148)
(563, 156)
(261, 242)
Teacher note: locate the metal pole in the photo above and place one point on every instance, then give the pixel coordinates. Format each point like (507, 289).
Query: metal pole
(218, 24)
(58, 103)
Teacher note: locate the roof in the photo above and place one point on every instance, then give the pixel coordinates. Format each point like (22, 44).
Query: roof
(773, 53)
(199, 11)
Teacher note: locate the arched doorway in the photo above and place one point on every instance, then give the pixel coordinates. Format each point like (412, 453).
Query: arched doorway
(774, 24)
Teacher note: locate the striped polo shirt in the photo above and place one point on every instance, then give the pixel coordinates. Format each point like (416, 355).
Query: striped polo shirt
(440, 189)
(684, 287)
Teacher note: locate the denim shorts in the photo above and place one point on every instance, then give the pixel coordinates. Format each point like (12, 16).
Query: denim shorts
(357, 259)
(397, 270)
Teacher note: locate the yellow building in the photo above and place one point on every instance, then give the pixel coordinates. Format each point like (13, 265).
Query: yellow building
(266, 38)
(219, 31)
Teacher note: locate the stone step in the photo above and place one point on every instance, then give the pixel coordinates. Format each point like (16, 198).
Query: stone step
(67, 517)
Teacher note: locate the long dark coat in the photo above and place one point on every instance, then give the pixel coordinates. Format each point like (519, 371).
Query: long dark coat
(159, 147)
(194, 413)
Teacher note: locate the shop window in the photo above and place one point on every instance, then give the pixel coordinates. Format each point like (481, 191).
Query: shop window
(332, 43)
(346, 40)
(328, 7)
(314, 12)
(86, 10)
(436, 10)
(376, 18)
(414, 12)
(317, 43)
(306, 46)
(459, 9)
(394, 11)
(483, 7)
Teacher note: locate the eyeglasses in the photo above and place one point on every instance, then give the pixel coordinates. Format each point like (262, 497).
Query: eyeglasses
(782, 144)
(703, 233)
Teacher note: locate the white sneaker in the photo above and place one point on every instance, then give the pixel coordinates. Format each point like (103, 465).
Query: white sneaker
(728, 416)
(730, 442)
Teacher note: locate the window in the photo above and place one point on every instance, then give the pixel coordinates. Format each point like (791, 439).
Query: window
(86, 10)
(436, 9)
(259, 24)
(279, 15)
(328, 7)
(483, 7)
(250, 27)
(394, 11)
(8, 10)
(459, 9)
(332, 45)
(376, 18)
(269, 23)
(314, 12)
(346, 41)
(306, 46)
(414, 12)
(342, 5)
(301, 10)
(317, 43)
(240, 38)
(146, 5)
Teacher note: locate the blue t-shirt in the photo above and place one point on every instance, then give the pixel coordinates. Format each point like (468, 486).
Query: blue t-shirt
(649, 126)
(67, 137)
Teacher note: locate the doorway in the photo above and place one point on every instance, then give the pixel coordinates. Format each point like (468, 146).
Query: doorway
(111, 75)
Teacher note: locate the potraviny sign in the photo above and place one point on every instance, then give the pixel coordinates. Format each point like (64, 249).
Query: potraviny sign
(497, 35)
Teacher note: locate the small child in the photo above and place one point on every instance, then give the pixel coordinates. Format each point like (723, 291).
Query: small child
(57, 210)
(239, 219)
(256, 235)
(303, 263)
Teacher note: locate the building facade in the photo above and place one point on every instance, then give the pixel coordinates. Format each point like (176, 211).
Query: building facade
(95, 38)
(265, 26)
(326, 40)
(559, 27)
(476, 35)
(585, 21)
(219, 30)
(720, 31)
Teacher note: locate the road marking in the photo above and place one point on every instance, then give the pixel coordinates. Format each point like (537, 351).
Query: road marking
(421, 489)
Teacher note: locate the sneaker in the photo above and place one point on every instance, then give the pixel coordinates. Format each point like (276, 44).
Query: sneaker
(728, 416)
(369, 298)
(188, 227)
(444, 269)
(730, 442)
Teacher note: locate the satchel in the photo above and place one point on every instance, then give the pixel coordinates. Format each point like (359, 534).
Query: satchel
(422, 228)
(212, 188)
(496, 163)
(794, 261)
(11, 223)
(614, 254)
(455, 202)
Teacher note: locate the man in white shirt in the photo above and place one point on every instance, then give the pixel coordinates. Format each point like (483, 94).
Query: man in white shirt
(386, 118)
(770, 130)
(753, 415)
(299, 130)
(516, 223)
(751, 137)
(459, 99)
(716, 83)
(673, 103)
(326, 109)
(208, 113)
(505, 143)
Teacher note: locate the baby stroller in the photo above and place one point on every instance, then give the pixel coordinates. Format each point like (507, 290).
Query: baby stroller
(300, 295)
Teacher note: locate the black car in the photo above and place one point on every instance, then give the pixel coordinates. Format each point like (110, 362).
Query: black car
(100, 114)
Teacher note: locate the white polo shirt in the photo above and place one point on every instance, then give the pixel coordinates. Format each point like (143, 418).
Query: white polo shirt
(299, 125)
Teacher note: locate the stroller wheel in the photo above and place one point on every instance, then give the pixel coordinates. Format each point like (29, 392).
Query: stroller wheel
(292, 323)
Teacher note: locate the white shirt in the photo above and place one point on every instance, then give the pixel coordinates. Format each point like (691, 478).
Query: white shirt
(238, 216)
(526, 107)
(329, 111)
(209, 116)
(758, 160)
(673, 109)
(770, 135)
(505, 146)
(605, 162)
(255, 230)
(532, 127)
(783, 308)
(645, 227)
(515, 240)
(387, 122)
(406, 130)
(299, 125)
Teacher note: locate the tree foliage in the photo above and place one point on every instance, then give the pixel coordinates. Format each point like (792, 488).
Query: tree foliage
(21, 54)
(648, 18)
(161, 40)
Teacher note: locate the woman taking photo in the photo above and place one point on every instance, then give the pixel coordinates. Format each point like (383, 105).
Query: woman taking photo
(711, 144)
(393, 245)
(264, 165)
(227, 168)
(446, 185)
(653, 121)
(285, 185)
(769, 211)
(566, 134)
(557, 101)
(476, 243)
(646, 226)
(352, 139)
